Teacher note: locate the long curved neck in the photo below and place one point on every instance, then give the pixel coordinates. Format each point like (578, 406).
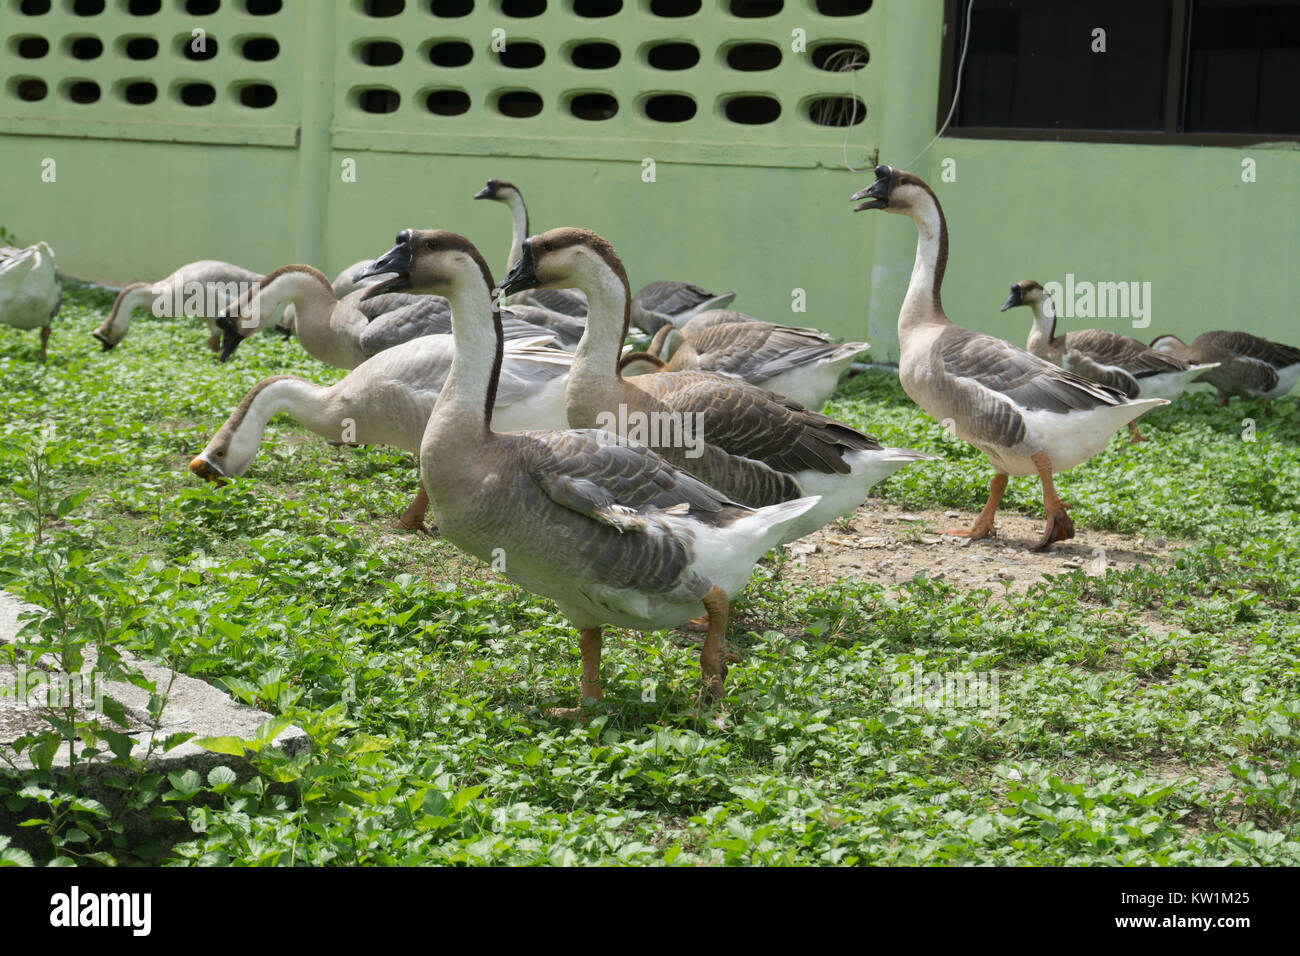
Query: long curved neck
(309, 291)
(608, 313)
(1044, 330)
(923, 302)
(519, 216)
(138, 295)
(463, 410)
(305, 401)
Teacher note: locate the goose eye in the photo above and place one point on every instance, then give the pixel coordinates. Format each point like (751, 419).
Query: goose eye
(429, 244)
(221, 454)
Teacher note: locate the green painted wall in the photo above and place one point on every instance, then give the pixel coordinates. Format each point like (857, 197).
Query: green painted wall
(760, 208)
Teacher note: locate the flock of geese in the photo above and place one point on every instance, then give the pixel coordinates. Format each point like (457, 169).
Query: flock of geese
(638, 487)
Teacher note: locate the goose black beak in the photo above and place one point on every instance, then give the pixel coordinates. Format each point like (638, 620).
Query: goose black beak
(396, 261)
(1014, 299)
(877, 194)
(484, 193)
(523, 275)
(230, 338)
(104, 343)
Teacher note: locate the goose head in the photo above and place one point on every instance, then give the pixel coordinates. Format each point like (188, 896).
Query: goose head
(893, 191)
(428, 262)
(565, 258)
(244, 313)
(1025, 292)
(500, 190)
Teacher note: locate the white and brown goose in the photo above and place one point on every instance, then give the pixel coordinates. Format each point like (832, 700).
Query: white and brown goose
(1028, 415)
(1099, 355)
(608, 530)
(201, 289)
(754, 446)
(342, 332)
(387, 400)
(30, 294)
(801, 364)
(1249, 366)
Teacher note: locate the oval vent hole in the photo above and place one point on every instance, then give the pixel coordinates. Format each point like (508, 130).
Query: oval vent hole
(840, 57)
(448, 102)
(258, 96)
(141, 48)
(143, 8)
(262, 8)
(381, 53)
(198, 94)
(837, 111)
(86, 8)
(379, 100)
(519, 104)
(595, 56)
(450, 9)
(384, 8)
(593, 106)
(673, 56)
(752, 110)
(140, 93)
(670, 108)
(597, 8)
(451, 53)
(674, 8)
(842, 8)
(31, 90)
(260, 49)
(751, 57)
(196, 50)
(522, 55)
(86, 48)
(33, 48)
(34, 8)
(84, 91)
(523, 8)
(202, 8)
(750, 9)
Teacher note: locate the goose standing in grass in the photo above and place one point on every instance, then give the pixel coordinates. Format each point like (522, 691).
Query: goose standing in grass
(387, 400)
(801, 364)
(1026, 414)
(342, 332)
(199, 289)
(754, 446)
(610, 531)
(30, 294)
(1249, 366)
(1120, 361)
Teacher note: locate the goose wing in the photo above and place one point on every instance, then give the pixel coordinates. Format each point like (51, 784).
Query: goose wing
(672, 298)
(571, 302)
(1121, 353)
(396, 317)
(751, 422)
(993, 383)
(756, 351)
(525, 371)
(1245, 345)
(567, 329)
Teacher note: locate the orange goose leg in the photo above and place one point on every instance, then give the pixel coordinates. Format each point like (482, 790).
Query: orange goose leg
(412, 519)
(1059, 526)
(713, 664)
(45, 346)
(214, 342)
(983, 526)
(589, 639)
(1135, 436)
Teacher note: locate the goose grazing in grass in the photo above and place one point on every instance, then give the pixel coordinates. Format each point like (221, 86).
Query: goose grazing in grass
(754, 446)
(198, 289)
(1026, 414)
(1249, 366)
(801, 364)
(610, 531)
(342, 332)
(1120, 361)
(387, 400)
(30, 294)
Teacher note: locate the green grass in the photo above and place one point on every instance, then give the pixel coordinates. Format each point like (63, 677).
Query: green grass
(1146, 717)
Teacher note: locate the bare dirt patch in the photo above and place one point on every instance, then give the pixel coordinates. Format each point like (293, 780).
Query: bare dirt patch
(888, 544)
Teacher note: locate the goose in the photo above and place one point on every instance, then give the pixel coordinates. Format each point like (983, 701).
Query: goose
(754, 446)
(30, 294)
(1249, 366)
(200, 289)
(657, 304)
(609, 530)
(343, 284)
(1026, 414)
(1120, 361)
(342, 332)
(387, 400)
(801, 364)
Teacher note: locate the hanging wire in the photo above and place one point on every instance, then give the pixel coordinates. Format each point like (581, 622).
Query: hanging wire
(956, 93)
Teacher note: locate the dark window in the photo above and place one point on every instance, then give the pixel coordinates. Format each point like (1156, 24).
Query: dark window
(143, 8)
(674, 8)
(1207, 71)
(257, 96)
(194, 49)
(754, 56)
(379, 100)
(1243, 67)
(522, 55)
(35, 8)
(752, 110)
(842, 8)
(85, 8)
(264, 8)
(83, 91)
(836, 111)
(30, 90)
(840, 56)
(201, 8)
(384, 8)
(523, 8)
(756, 8)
